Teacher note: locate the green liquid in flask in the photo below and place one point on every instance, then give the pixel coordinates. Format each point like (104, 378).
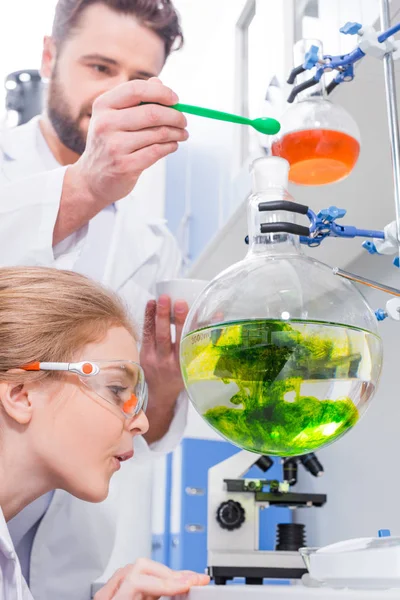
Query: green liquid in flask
(277, 387)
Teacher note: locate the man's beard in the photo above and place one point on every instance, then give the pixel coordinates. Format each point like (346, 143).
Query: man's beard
(66, 127)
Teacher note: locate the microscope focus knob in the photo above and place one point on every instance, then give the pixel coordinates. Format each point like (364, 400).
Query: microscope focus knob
(230, 515)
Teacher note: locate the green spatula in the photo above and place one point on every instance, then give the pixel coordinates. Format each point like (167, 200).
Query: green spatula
(263, 125)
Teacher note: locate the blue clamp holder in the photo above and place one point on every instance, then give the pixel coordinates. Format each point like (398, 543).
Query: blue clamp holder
(321, 225)
(324, 225)
(384, 533)
(370, 247)
(351, 28)
(380, 315)
(343, 64)
(311, 58)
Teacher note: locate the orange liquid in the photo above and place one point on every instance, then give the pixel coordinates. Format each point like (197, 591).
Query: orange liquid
(317, 156)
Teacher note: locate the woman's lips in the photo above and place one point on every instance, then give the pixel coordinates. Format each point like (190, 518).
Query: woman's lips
(125, 456)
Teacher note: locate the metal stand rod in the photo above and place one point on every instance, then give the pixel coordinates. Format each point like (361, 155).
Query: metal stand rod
(393, 118)
(368, 282)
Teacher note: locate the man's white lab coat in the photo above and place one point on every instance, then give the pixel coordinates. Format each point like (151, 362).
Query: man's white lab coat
(76, 541)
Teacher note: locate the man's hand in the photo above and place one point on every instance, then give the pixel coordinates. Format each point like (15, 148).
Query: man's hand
(148, 580)
(159, 358)
(131, 128)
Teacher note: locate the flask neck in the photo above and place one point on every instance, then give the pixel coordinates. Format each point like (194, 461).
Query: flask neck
(316, 93)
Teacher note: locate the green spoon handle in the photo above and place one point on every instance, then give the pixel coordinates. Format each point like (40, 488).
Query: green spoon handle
(211, 114)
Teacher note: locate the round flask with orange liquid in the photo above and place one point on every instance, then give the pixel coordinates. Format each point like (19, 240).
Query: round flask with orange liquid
(319, 139)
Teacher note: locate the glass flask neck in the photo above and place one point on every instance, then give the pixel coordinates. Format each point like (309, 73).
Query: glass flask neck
(318, 91)
(270, 243)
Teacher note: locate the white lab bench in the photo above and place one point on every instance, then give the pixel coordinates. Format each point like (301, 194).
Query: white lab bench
(287, 592)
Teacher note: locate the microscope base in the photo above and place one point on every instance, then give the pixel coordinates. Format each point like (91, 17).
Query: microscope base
(255, 566)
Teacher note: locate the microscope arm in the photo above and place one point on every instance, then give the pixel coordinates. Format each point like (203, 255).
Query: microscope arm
(233, 467)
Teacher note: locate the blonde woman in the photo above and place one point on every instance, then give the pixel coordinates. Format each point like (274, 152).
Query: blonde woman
(72, 397)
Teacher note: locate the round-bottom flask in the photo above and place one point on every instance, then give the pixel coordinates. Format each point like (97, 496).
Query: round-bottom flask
(278, 355)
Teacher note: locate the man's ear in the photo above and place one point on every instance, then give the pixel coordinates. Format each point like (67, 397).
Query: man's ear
(49, 55)
(15, 400)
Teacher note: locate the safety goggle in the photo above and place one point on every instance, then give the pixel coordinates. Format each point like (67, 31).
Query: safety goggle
(119, 382)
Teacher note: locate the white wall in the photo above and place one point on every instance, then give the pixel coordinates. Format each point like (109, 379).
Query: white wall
(333, 15)
(202, 72)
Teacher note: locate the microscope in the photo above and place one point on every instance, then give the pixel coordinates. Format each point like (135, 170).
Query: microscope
(233, 519)
(24, 94)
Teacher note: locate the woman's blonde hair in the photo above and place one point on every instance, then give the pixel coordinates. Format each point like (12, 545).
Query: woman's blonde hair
(48, 315)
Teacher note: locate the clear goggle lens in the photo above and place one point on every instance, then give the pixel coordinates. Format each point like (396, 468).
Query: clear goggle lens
(121, 384)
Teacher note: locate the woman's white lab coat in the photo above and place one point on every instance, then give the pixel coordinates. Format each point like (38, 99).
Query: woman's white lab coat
(77, 541)
(12, 584)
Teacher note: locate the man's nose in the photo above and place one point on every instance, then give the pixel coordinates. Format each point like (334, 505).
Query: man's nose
(112, 82)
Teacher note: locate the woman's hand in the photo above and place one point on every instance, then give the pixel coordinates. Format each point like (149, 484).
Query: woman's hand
(148, 580)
